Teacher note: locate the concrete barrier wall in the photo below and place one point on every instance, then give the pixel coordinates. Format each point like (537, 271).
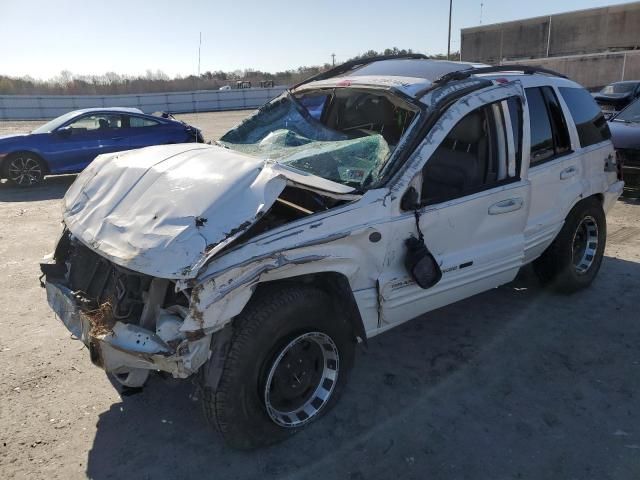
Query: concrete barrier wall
(585, 31)
(594, 70)
(31, 107)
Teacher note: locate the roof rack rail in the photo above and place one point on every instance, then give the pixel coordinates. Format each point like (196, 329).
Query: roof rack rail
(346, 66)
(526, 69)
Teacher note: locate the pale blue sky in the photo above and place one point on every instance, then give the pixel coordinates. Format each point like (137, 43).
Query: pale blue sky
(41, 38)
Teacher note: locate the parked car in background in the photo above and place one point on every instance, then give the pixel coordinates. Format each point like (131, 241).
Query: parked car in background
(68, 144)
(625, 134)
(261, 261)
(616, 96)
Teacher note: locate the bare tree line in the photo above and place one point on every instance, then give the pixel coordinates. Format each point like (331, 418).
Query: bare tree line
(111, 83)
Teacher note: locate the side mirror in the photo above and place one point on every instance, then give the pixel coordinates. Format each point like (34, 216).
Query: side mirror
(65, 131)
(421, 264)
(410, 200)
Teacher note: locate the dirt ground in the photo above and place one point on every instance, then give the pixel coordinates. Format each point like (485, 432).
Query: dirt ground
(513, 383)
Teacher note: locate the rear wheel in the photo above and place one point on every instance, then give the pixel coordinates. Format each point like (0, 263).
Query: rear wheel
(573, 260)
(287, 363)
(24, 169)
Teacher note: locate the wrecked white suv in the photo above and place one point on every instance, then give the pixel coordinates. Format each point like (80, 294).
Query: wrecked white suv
(357, 200)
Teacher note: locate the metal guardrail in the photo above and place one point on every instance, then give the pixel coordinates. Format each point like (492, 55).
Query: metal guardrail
(40, 107)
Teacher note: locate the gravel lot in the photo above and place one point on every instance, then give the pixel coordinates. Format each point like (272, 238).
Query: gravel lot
(513, 383)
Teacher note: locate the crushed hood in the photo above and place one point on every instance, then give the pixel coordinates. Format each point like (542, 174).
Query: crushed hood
(161, 210)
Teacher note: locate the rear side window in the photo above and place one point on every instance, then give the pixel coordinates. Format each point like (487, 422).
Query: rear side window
(549, 134)
(137, 122)
(591, 125)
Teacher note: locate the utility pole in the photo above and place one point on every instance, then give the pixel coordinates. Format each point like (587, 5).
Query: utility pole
(449, 41)
(333, 59)
(199, 47)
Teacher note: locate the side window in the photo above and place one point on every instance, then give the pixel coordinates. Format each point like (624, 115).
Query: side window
(97, 122)
(136, 122)
(549, 134)
(590, 123)
(561, 140)
(474, 156)
(314, 104)
(541, 136)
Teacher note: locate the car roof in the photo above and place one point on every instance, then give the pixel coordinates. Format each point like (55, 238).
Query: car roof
(409, 67)
(110, 109)
(412, 76)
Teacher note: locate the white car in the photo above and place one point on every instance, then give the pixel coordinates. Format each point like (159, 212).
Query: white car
(359, 199)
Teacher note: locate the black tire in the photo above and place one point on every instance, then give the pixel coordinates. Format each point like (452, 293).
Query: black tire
(566, 266)
(274, 319)
(24, 169)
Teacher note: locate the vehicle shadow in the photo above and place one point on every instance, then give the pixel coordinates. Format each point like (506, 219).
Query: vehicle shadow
(411, 397)
(51, 188)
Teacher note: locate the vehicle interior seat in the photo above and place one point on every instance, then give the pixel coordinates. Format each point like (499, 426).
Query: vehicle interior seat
(372, 114)
(460, 163)
(103, 123)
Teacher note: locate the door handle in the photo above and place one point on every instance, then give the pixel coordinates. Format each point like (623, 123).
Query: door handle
(506, 206)
(568, 172)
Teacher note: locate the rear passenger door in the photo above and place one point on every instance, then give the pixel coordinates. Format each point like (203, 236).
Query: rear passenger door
(554, 169)
(591, 135)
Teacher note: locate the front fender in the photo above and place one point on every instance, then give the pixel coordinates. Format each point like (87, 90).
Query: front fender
(216, 299)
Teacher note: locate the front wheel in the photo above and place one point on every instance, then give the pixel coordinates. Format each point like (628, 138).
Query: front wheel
(287, 363)
(24, 169)
(573, 260)
(131, 377)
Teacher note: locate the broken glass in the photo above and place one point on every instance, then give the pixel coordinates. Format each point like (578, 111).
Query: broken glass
(283, 131)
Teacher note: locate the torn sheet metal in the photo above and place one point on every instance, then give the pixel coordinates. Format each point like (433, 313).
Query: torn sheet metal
(130, 346)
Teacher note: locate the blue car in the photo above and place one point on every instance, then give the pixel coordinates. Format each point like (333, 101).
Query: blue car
(68, 144)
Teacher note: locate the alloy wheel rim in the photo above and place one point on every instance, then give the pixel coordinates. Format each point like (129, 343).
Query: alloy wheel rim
(585, 245)
(301, 379)
(25, 171)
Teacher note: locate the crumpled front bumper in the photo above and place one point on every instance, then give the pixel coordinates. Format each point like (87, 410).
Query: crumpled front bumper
(127, 346)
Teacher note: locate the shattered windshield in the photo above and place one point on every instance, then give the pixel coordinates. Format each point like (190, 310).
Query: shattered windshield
(346, 137)
(630, 114)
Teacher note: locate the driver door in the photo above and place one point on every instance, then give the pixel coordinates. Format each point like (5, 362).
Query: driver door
(473, 204)
(79, 142)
